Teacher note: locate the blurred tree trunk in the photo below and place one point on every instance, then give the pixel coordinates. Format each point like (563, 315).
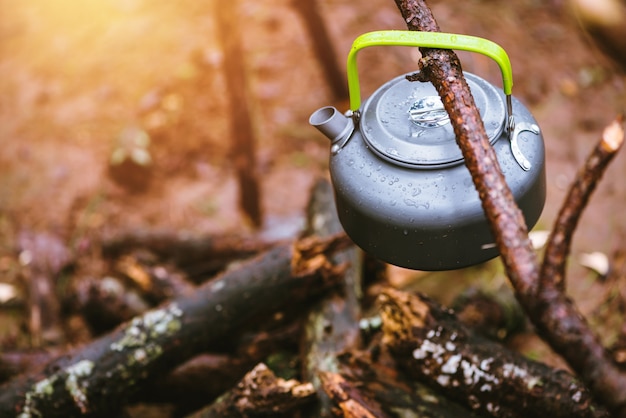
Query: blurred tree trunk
(243, 149)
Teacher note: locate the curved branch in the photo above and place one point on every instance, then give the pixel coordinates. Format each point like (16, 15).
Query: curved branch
(559, 243)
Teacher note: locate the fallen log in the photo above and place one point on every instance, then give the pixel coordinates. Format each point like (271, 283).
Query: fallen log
(431, 345)
(201, 380)
(378, 380)
(101, 376)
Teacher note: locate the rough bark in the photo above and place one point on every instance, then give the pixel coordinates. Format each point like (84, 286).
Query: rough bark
(431, 345)
(549, 308)
(556, 317)
(348, 399)
(260, 394)
(201, 380)
(375, 377)
(443, 69)
(199, 256)
(101, 376)
(332, 325)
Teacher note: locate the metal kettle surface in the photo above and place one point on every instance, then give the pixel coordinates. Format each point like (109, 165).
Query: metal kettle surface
(402, 191)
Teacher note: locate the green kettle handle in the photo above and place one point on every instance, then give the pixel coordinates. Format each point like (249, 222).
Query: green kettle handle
(428, 40)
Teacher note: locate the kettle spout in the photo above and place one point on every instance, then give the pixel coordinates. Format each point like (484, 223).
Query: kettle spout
(333, 124)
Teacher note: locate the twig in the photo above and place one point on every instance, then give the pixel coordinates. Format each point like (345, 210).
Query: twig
(558, 246)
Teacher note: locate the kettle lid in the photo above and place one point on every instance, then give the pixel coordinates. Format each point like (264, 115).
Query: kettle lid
(405, 122)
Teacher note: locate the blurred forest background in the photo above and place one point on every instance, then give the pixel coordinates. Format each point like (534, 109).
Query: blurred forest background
(85, 83)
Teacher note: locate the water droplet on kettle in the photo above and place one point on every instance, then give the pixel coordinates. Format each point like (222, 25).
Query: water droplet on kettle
(405, 232)
(350, 162)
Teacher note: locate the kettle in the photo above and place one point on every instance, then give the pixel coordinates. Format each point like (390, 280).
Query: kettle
(402, 191)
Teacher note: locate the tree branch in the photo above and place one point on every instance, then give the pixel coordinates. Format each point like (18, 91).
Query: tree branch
(549, 308)
(559, 243)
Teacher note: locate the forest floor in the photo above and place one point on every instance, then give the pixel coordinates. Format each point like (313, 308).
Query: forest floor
(77, 78)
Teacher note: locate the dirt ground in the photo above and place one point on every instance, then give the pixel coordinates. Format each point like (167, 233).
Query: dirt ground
(79, 77)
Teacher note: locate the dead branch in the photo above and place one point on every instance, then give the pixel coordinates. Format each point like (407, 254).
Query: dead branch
(102, 375)
(332, 325)
(574, 341)
(554, 314)
(348, 398)
(199, 256)
(443, 69)
(198, 382)
(431, 345)
(559, 243)
(260, 393)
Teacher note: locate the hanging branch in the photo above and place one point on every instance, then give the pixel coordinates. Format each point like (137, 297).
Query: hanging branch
(574, 340)
(443, 69)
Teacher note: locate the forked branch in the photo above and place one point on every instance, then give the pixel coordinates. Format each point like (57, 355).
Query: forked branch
(551, 311)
